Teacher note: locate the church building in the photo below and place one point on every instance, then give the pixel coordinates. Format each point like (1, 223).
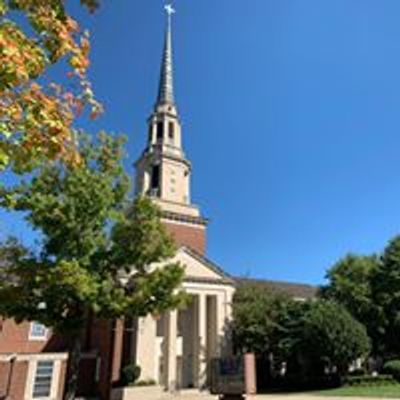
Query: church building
(174, 350)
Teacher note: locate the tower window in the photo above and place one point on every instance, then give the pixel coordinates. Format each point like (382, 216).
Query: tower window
(160, 130)
(150, 133)
(171, 130)
(155, 177)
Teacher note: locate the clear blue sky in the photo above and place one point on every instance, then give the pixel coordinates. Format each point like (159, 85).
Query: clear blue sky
(291, 113)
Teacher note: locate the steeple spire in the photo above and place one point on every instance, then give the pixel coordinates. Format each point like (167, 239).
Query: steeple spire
(163, 172)
(166, 87)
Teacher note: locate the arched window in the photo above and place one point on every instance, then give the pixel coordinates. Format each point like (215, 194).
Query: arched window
(160, 131)
(171, 130)
(155, 178)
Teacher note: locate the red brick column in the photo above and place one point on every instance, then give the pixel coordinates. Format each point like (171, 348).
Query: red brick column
(117, 353)
(250, 375)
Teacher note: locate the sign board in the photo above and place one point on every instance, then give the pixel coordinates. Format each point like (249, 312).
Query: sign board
(227, 376)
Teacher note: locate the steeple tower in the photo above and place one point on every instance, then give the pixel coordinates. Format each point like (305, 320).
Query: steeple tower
(162, 171)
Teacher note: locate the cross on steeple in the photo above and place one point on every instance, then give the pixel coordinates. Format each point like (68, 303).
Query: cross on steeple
(169, 9)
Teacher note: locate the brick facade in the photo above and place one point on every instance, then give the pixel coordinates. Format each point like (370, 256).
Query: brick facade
(13, 379)
(188, 235)
(103, 341)
(4, 370)
(99, 348)
(14, 338)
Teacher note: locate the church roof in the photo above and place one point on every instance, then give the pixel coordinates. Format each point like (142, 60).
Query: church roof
(299, 291)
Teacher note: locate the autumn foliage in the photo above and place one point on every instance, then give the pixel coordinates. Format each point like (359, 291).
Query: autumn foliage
(36, 113)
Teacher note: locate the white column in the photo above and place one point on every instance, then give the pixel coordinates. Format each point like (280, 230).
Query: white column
(220, 309)
(202, 354)
(212, 326)
(195, 339)
(221, 314)
(146, 347)
(170, 342)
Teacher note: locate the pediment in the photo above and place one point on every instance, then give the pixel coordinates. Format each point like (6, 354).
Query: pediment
(198, 267)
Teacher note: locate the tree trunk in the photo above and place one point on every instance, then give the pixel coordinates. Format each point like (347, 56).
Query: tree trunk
(74, 358)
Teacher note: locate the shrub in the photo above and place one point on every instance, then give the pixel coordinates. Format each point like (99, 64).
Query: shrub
(130, 374)
(357, 372)
(393, 368)
(149, 382)
(370, 380)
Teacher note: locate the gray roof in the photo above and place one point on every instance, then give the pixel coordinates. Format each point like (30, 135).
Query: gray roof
(296, 290)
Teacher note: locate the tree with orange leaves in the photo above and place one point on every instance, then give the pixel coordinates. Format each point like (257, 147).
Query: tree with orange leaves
(37, 114)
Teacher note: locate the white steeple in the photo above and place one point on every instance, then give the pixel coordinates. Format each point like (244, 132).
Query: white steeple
(163, 172)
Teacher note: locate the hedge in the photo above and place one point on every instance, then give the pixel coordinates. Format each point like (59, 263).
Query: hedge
(370, 380)
(393, 368)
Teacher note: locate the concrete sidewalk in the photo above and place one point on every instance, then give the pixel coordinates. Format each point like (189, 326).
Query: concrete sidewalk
(309, 396)
(188, 395)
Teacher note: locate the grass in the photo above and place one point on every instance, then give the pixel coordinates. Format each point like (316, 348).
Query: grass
(386, 391)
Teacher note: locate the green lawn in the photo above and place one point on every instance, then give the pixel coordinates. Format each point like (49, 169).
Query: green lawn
(389, 391)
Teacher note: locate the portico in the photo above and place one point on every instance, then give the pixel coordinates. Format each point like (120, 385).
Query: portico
(175, 349)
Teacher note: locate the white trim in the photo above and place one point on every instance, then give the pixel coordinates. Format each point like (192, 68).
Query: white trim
(189, 224)
(8, 357)
(31, 375)
(33, 337)
(33, 356)
(201, 288)
(55, 381)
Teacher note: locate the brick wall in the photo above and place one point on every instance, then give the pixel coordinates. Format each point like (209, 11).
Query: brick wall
(4, 371)
(18, 379)
(14, 338)
(16, 387)
(188, 235)
(102, 339)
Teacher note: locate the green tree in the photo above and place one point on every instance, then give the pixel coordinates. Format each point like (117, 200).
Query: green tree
(386, 289)
(255, 318)
(288, 334)
(307, 336)
(331, 337)
(350, 283)
(96, 254)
